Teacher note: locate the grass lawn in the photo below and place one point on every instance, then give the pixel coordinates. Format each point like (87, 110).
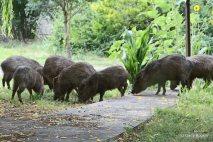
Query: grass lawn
(190, 121)
(45, 104)
(40, 51)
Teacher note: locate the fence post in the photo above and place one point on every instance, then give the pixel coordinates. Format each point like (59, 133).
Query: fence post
(188, 33)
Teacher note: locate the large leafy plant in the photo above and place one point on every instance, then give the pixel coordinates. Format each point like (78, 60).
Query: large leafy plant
(132, 50)
(202, 28)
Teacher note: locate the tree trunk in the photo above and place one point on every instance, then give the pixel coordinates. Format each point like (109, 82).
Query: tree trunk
(67, 39)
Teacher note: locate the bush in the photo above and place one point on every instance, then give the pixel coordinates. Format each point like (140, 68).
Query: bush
(202, 28)
(57, 37)
(133, 50)
(101, 23)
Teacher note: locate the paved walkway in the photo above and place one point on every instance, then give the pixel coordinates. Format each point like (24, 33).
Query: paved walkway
(94, 122)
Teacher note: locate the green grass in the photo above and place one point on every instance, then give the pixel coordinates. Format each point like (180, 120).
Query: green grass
(44, 104)
(40, 51)
(191, 120)
(36, 50)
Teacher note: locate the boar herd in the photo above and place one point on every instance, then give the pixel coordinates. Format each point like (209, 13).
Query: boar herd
(63, 76)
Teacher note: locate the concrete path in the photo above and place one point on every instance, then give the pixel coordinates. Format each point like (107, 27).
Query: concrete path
(94, 122)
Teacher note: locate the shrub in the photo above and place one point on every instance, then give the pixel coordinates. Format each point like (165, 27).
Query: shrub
(133, 50)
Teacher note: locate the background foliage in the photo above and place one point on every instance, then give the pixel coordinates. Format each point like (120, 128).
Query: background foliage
(133, 50)
(202, 28)
(101, 23)
(6, 16)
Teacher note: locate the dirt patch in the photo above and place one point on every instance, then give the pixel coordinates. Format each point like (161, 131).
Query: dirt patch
(97, 121)
(69, 120)
(16, 136)
(21, 112)
(1, 109)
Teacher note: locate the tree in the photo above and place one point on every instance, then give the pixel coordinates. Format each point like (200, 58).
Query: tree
(70, 8)
(19, 17)
(20, 23)
(7, 16)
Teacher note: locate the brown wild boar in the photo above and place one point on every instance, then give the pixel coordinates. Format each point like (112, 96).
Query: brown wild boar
(172, 67)
(70, 78)
(53, 66)
(27, 78)
(107, 79)
(12, 63)
(202, 68)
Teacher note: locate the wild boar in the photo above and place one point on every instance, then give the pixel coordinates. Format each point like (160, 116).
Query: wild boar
(53, 66)
(70, 78)
(202, 68)
(27, 78)
(12, 63)
(171, 67)
(107, 79)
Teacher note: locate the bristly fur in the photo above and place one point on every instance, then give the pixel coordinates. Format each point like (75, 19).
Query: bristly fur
(107, 79)
(53, 66)
(10, 64)
(70, 78)
(202, 68)
(27, 78)
(171, 67)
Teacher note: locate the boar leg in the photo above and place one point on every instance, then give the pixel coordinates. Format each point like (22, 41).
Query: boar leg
(20, 90)
(9, 78)
(48, 82)
(8, 85)
(207, 83)
(164, 88)
(186, 83)
(189, 84)
(101, 96)
(31, 94)
(122, 90)
(158, 91)
(68, 95)
(50, 86)
(15, 88)
(3, 80)
(61, 98)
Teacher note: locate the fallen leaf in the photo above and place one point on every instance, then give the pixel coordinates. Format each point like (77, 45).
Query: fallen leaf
(63, 137)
